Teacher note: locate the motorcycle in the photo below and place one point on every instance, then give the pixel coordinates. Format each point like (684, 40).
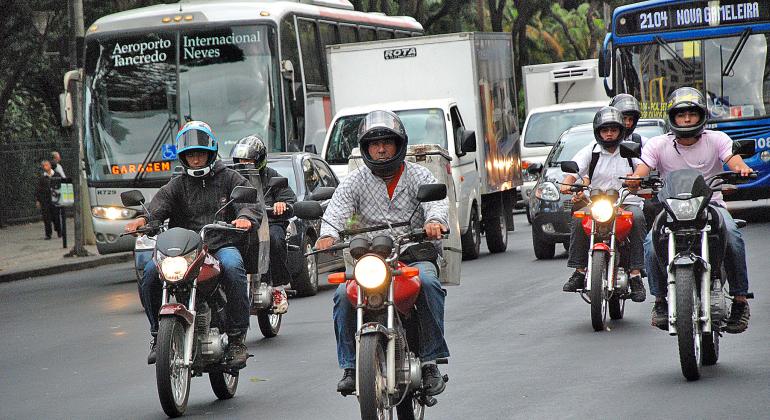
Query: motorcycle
(191, 338)
(384, 290)
(608, 226)
(689, 236)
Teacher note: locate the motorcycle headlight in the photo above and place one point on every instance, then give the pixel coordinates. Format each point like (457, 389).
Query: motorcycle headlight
(684, 210)
(371, 272)
(547, 191)
(602, 210)
(174, 268)
(113, 213)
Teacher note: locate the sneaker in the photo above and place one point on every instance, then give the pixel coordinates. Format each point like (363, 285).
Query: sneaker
(237, 353)
(432, 381)
(660, 315)
(153, 347)
(738, 321)
(638, 293)
(575, 282)
(347, 385)
(280, 301)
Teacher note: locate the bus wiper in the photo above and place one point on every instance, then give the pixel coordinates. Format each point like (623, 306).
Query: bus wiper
(737, 52)
(159, 140)
(665, 45)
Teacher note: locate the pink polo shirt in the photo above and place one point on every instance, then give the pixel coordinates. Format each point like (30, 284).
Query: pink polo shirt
(707, 155)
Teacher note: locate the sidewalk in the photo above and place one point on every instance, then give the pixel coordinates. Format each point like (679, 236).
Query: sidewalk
(25, 253)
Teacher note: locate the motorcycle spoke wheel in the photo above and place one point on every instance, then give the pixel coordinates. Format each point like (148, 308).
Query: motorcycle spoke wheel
(372, 382)
(598, 294)
(411, 408)
(269, 323)
(223, 384)
(689, 336)
(172, 377)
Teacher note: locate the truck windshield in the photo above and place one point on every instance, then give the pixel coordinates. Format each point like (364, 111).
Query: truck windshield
(423, 126)
(733, 72)
(544, 128)
(141, 88)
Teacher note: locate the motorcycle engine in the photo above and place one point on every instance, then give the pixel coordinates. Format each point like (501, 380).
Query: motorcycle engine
(621, 282)
(213, 345)
(718, 304)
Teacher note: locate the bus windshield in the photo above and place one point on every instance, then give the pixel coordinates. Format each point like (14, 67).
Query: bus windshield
(141, 88)
(732, 72)
(423, 126)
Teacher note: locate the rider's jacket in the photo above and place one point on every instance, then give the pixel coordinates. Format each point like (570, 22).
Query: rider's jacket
(275, 195)
(190, 202)
(609, 167)
(362, 199)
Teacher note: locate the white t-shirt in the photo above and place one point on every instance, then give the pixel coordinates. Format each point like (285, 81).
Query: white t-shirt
(608, 168)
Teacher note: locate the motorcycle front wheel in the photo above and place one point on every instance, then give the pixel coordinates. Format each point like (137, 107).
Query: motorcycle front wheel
(372, 382)
(223, 384)
(688, 328)
(173, 378)
(597, 293)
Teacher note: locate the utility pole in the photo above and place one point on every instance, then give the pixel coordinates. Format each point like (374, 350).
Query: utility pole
(77, 33)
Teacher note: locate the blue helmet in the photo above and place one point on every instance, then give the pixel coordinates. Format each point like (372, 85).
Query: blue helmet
(196, 135)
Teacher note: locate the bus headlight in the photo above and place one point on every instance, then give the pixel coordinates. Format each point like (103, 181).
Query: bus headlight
(371, 272)
(602, 210)
(113, 213)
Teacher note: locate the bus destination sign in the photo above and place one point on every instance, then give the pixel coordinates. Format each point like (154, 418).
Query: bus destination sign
(692, 14)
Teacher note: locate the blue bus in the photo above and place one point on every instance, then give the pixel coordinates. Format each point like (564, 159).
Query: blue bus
(717, 46)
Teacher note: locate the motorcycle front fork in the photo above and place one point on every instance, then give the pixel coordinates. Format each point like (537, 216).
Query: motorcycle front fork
(705, 283)
(610, 284)
(390, 350)
(189, 342)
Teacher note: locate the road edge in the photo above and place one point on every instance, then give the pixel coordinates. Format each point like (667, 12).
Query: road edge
(75, 264)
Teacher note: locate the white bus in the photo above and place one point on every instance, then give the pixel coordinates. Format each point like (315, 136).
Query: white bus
(244, 67)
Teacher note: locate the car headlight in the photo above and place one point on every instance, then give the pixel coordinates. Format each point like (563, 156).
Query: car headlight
(113, 213)
(602, 210)
(547, 191)
(371, 272)
(174, 268)
(685, 210)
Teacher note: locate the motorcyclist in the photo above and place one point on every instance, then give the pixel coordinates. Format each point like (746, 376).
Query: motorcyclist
(385, 191)
(190, 201)
(629, 107)
(690, 146)
(252, 150)
(601, 165)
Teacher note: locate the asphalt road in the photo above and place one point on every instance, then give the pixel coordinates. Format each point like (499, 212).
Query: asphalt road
(74, 346)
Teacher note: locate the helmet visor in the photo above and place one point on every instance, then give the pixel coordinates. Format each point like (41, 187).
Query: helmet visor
(194, 138)
(686, 98)
(381, 124)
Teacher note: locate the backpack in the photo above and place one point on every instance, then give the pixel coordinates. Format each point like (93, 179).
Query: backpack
(595, 160)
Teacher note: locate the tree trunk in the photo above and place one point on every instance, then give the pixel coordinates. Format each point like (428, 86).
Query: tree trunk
(564, 27)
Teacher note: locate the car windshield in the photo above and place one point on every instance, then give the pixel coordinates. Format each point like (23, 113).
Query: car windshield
(423, 126)
(141, 88)
(544, 128)
(285, 168)
(650, 131)
(569, 145)
(732, 72)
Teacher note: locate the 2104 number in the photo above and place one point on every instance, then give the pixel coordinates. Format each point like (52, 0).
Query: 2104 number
(654, 20)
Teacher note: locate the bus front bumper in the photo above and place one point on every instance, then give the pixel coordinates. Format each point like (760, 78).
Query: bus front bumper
(108, 239)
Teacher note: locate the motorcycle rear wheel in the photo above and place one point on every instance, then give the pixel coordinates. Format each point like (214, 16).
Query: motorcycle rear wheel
(372, 382)
(688, 329)
(269, 323)
(410, 408)
(173, 379)
(223, 384)
(597, 293)
(617, 307)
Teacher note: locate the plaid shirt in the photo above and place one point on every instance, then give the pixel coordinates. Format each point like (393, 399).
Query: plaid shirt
(361, 200)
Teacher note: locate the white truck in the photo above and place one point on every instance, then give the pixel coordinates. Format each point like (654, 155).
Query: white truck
(460, 86)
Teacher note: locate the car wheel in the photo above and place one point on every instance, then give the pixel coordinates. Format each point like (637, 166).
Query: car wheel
(306, 281)
(544, 250)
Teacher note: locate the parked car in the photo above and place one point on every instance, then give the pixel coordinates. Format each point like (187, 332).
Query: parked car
(306, 172)
(549, 210)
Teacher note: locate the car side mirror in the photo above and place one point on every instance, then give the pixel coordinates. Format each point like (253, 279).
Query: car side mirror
(630, 149)
(321, 194)
(744, 148)
(431, 192)
(243, 194)
(534, 168)
(468, 141)
(308, 210)
(278, 182)
(132, 198)
(569, 167)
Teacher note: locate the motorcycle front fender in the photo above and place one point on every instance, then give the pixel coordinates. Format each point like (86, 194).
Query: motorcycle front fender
(373, 328)
(178, 310)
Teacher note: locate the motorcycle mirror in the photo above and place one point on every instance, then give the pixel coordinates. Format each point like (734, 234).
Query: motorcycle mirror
(744, 148)
(431, 192)
(243, 194)
(132, 198)
(308, 210)
(569, 167)
(278, 182)
(630, 149)
(321, 194)
(534, 168)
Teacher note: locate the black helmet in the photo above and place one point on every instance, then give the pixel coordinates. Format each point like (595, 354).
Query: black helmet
(628, 106)
(378, 125)
(607, 117)
(686, 99)
(250, 147)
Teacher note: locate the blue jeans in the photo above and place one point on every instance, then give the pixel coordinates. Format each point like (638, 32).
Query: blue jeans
(233, 280)
(735, 261)
(430, 313)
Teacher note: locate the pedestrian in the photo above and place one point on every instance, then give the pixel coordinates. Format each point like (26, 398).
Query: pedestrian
(56, 164)
(44, 201)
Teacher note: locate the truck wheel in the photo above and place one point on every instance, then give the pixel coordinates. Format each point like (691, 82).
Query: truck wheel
(544, 250)
(496, 228)
(509, 199)
(471, 239)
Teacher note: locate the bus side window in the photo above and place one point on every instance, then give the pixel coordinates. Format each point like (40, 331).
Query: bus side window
(329, 36)
(348, 34)
(366, 33)
(310, 50)
(401, 34)
(295, 110)
(384, 33)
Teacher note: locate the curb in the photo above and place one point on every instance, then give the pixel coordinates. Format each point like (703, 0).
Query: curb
(75, 265)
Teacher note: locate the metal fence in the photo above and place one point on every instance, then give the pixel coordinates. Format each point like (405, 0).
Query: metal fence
(19, 171)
